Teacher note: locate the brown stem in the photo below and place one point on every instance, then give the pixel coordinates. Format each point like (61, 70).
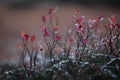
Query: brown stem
(84, 45)
(68, 52)
(110, 43)
(35, 59)
(24, 64)
(50, 53)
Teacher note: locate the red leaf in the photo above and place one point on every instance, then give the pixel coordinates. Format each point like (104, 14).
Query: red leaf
(43, 19)
(45, 29)
(26, 36)
(57, 37)
(70, 41)
(113, 18)
(22, 33)
(55, 28)
(46, 34)
(50, 11)
(79, 20)
(84, 40)
(77, 12)
(33, 37)
(19, 45)
(79, 27)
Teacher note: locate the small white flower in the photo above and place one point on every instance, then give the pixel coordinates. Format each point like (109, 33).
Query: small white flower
(83, 17)
(94, 21)
(76, 25)
(69, 30)
(101, 19)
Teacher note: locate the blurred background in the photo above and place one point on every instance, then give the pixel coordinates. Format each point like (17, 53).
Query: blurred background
(18, 15)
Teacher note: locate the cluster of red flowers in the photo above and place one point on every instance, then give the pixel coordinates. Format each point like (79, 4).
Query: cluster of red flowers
(45, 32)
(27, 37)
(83, 29)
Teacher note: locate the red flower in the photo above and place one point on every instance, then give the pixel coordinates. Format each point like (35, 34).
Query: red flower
(45, 29)
(46, 34)
(19, 45)
(70, 41)
(33, 37)
(43, 19)
(113, 19)
(26, 36)
(55, 28)
(79, 20)
(84, 40)
(77, 12)
(79, 27)
(57, 37)
(22, 33)
(50, 11)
